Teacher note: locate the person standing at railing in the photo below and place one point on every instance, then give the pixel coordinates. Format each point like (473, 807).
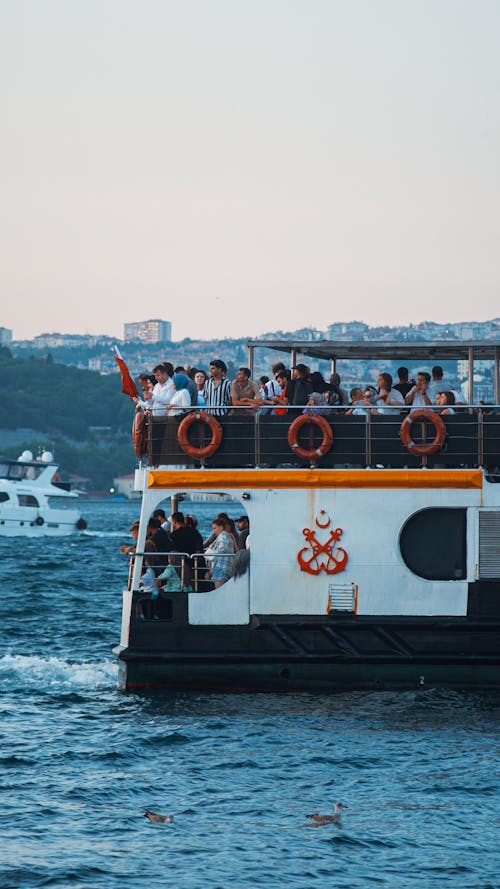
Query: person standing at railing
(245, 393)
(316, 404)
(127, 548)
(337, 393)
(220, 554)
(419, 396)
(217, 392)
(185, 539)
(282, 378)
(193, 391)
(438, 385)
(243, 525)
(181, 398)
(387, 397)
(300, 387)
(404, 385)
(446, 400)
(169, 580)
(157, 400)
(359, 401)
(200, 378)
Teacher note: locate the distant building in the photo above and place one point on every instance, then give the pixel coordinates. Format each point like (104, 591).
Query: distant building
(471, 330)
(481, 366)
(5, 336)
(350, 330)
(152, 331)
(60, 340)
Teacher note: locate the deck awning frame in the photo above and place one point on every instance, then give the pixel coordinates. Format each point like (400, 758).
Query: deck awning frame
(404, 351)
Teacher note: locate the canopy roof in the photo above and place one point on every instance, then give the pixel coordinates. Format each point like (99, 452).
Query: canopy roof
(391, 350)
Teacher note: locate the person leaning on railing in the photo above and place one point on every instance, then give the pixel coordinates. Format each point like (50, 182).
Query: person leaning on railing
(245, 394)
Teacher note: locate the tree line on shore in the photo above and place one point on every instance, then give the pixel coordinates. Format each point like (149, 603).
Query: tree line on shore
(80, 414)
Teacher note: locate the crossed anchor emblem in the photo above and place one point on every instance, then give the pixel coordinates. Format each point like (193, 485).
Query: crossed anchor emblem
(327, 557)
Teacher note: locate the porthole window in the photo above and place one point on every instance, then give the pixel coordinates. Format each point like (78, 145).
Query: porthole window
(433, 544)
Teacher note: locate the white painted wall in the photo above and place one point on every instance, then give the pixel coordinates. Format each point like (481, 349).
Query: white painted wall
(371, 521)
(229, 604)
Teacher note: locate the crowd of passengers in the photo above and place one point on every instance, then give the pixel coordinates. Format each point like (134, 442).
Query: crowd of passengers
(177, 559)
(171, 391)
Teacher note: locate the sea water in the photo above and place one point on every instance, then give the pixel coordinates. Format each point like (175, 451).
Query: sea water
(81, 761)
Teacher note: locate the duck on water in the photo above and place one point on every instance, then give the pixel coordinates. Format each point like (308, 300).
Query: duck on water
(320, 820)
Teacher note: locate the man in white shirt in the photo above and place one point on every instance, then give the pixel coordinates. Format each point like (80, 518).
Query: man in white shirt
(162, 391)
(438, 385)
(418, 396)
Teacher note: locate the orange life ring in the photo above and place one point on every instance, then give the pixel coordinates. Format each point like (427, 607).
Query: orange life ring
(140, 435)
(183, 434)
(293, 434)
(423, 450)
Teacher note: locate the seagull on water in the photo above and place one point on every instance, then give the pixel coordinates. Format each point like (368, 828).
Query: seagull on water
(319, 820)
(156, 818)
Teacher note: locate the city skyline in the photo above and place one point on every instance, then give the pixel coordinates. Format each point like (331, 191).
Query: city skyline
(248, 167)
(151, 332)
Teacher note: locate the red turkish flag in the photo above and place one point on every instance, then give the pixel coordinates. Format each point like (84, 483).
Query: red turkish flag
(128, 386)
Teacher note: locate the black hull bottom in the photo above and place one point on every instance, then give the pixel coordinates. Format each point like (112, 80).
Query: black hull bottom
(313, 654)
(291, 676)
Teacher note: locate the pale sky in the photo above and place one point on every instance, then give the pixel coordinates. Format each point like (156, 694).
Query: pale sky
(241, 166)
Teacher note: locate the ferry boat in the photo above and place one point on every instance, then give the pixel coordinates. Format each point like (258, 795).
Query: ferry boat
(375, 543)
(33, 502)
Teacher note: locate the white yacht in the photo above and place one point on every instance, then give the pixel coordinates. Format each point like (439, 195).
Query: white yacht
(33, 501)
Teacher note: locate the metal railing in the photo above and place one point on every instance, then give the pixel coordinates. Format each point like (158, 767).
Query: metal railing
(367, 440)
(190, 569)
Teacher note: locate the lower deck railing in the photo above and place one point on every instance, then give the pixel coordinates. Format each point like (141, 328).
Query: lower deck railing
(184, 572)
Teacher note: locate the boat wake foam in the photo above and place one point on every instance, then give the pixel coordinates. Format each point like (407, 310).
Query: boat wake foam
(53, 672)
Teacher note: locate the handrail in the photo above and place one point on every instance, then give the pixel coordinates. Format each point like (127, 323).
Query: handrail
(198, 561)
(260, 438)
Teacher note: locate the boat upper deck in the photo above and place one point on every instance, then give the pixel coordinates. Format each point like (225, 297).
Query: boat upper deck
(471, 436)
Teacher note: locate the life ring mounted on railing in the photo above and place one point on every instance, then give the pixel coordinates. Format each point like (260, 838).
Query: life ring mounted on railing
(293, 436)
(423, 450)
(183, 435)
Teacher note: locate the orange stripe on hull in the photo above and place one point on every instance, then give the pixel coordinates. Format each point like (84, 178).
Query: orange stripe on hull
(223, 479)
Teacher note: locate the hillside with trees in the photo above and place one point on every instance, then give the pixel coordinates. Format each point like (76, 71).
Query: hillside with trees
(81, 414)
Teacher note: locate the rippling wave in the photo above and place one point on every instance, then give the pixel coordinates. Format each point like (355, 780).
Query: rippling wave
(49, 672)
(81, 761)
